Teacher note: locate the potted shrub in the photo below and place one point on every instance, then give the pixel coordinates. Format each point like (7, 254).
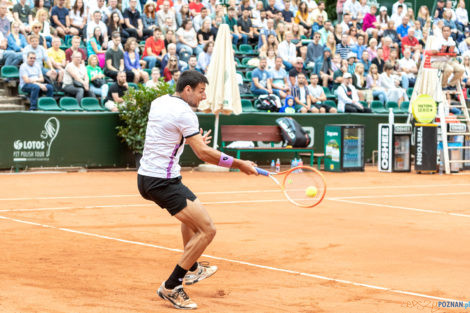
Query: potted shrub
(134, 114)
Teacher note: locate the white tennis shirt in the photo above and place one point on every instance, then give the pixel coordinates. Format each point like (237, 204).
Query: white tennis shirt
(171, 120)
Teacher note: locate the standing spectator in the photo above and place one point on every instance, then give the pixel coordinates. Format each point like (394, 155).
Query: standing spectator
(8, 57)
(75, 47)
(318, 97)
(115, 59)
(133, 22)
(22, 14)
(78, 18)
(60, 19)
(301, 95)
(76, 82)
(115, 25)
(187, 39)
(409, 68)
(149, 18)
(314, 51)
(373, 82)
(57, 57)
(16, 41)
(164, 13)
(96, 77)
(154, 49)
(95, 46)
(97, 22)
(343, 47)
(348, 98)
(287, 51)
(4, 21)
(116, 92)
(32, 81)
(261, 79)
(204, 58)
(131, 61)
(280, 84)
(41, 56)
(398, 3)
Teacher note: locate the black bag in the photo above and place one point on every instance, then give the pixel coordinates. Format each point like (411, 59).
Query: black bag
(292, 132)
(78, 84)
(268, 103)
(98, 82)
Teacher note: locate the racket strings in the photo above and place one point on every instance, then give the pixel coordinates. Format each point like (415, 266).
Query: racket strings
(296, 184)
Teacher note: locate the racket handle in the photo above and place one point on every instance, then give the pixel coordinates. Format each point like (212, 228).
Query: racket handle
(262, 172)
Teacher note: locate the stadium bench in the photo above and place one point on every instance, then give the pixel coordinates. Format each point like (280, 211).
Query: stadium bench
(258, 133)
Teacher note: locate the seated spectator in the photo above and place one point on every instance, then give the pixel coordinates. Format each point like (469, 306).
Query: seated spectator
(398, 15)
(204, 35)
(165, 12)
(78, 18)
(4, 20)
(280, 84)
(192, 63)
(314, 51)
(32, 81)
(378, 60)
(96, 77)
(186, 39)
(287, 51)
(402, 30)
(232, 22)
(149, 18)
(411, 42)
(154, 49)
(115, 25)
(391, 33)
(97, 22)
(204, 58)
(297, 69)
(172, 52)
(451, 24)
(409, 68)
(351, 62)
(352, 36)
(100, 6)
(245, 26)
(75, 47)
(271, 44)
(8, 57)
(318, 97)
(182, 15)
(370, 24)
(131, 61)
(155, 78)
(289, 106)
(302, 15)
(360, 47)
(170, 68)
(343, 47)
(339, 73)
(287, 13)
(16, 41)
(372, 49)
(115, 60)
(301, 95)
(95, 46)
(461, 14)
(36, 30)
(261, 79)
(76, 82)
(60, 20)
(373, 82)
(39, 5)
(391, 84)
(365, 61)
(116, 92)
(133, 22)
(199, 19)
(265, 33)
(195, 7)
(41, 57)
(348, 98)
(113, 8)
(42, 18)
(169, 25)
(359, 82)
(57, 57)
(174, 77)
(22, 15)
(438, 13)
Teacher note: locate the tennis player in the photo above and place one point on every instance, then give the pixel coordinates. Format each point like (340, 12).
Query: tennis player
(171, 124)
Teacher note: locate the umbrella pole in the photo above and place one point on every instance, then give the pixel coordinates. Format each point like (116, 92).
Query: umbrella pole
(216, 130)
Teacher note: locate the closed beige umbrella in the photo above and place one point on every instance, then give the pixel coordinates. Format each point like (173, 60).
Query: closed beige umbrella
(223, 95)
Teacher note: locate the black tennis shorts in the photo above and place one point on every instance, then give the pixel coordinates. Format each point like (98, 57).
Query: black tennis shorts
(168, 193)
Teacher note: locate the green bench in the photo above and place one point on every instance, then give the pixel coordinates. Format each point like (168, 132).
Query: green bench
(272, 134)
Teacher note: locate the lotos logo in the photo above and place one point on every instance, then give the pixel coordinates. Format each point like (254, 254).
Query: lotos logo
(18, 145)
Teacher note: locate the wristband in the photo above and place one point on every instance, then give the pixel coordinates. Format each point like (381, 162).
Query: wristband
(225, 160)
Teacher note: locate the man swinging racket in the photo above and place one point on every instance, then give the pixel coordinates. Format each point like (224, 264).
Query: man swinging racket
(171, 123)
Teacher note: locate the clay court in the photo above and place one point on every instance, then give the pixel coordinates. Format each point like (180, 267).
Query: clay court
(87, 242)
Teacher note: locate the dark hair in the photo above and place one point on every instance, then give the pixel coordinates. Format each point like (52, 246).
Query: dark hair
(185, 22)
(112, 27)
(115, 35)
(388, 66)
(206, 47)
(446, 26)
(190, 78)
(156, 29)
(75, 7)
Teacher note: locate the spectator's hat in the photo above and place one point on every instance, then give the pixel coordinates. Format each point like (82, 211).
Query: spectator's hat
(347, 75)
(383, 8)
(351, 55)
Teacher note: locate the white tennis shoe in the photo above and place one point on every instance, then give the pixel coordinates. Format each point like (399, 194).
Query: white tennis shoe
(177, 297)
(203, 271)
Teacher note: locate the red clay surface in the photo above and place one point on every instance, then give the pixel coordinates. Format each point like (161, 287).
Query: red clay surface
(87, 242)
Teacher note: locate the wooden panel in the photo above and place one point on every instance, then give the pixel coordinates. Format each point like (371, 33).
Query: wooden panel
(250, 133)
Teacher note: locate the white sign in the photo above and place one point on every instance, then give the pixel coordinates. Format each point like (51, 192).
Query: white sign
(385, 148)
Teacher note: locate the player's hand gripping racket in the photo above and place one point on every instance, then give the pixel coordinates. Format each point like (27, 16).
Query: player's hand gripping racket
(302, 185)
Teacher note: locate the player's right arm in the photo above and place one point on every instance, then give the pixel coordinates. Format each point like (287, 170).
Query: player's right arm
(210, 155)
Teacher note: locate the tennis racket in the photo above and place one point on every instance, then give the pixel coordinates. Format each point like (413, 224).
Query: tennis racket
(303, 186)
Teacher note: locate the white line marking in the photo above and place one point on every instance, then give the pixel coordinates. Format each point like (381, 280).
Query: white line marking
(399, 207)
(234, 192)
(404, 195)
(346, 282)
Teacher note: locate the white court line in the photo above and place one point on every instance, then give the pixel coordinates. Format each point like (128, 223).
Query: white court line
(341, 281)
(235, 192)
(400, 207)
(404, 195)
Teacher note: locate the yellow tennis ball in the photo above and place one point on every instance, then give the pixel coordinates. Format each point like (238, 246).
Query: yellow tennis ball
(311, 191)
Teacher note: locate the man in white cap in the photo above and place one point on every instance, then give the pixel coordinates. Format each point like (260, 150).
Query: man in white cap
(348, 99)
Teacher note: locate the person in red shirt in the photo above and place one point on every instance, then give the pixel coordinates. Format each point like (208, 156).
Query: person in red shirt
(195, 7)
(410, 41)
(154, 49)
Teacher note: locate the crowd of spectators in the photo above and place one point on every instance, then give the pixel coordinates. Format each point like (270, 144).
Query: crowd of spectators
(369, 52)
